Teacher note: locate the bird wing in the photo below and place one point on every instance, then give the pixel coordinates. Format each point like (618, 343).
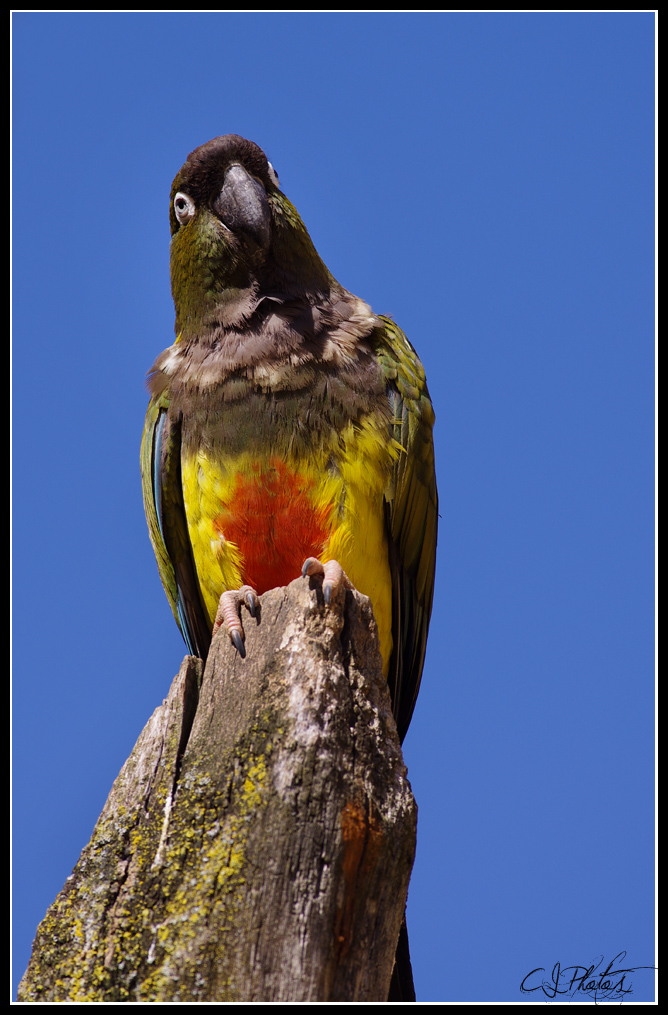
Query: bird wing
(411, 516)
(167, 525)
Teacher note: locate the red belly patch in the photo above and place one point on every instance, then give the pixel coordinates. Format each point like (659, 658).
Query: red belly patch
(273, 520)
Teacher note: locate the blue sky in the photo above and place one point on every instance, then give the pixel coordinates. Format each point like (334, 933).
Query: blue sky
(488, 180)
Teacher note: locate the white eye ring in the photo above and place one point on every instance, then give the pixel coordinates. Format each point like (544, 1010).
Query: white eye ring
(272, 175)
(184, 208)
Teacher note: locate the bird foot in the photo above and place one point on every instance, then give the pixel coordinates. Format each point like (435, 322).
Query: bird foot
(229, 613)
(333, 575)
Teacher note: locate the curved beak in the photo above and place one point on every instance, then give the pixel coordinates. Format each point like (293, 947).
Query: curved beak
(242, 206)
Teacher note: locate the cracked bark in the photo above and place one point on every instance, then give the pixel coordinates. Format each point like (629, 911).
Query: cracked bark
(258, 842)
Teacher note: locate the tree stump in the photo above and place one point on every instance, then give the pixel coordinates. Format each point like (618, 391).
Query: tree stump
(258, 843)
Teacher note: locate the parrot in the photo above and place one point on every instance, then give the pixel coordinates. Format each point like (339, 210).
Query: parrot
(289, 430)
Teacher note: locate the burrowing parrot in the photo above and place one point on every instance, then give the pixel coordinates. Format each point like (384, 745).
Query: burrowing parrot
(289, 429)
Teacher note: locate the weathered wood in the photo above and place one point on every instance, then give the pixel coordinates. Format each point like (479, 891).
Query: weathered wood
(257, 844)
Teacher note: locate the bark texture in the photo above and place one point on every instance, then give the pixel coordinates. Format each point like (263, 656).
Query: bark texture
(258, 843)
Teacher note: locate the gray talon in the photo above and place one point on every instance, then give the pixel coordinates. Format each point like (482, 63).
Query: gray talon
(238, 643)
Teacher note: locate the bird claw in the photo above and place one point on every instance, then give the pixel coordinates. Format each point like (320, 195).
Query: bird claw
(229, 613)
(238, 642)
(333, 575)
(251, 601)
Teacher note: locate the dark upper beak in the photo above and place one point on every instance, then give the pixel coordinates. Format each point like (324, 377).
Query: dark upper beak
(243, 207)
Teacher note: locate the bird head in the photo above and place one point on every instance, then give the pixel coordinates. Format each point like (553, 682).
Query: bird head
(236, 239)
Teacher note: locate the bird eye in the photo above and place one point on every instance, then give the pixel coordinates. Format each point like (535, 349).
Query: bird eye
(272, 175)
(184, 208)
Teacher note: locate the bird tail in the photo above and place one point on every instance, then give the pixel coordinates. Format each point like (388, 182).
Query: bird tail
(401, 984)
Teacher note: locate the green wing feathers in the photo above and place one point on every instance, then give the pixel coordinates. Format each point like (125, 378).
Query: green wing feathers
(168, 529)
(152, 501)
(412, 517)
